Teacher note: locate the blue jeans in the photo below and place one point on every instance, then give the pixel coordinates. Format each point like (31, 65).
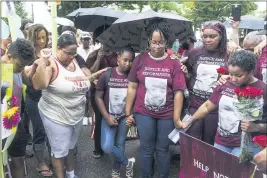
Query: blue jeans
(113, 142)
(39, 135)
(153, 133)
(254, 149)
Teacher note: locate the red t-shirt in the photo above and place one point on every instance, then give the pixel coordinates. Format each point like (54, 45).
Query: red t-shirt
(157, 80)
(202, 65)
(228, 131)
(115, 92)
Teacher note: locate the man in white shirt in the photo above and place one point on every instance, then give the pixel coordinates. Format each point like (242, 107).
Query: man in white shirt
(85, 49)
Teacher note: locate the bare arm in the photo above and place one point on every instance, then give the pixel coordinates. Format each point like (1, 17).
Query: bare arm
(178, 106)
(42, 76)
(100, 103)
(261, 160)
(86, 71)
(235, 34)
(28, 73)
(131, 94)
(96, 65)
(201, 113)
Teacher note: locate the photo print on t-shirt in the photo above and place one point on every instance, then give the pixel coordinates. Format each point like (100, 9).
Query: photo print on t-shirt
(206, 79)
(156, 91)
(117, 101)
(229, 118)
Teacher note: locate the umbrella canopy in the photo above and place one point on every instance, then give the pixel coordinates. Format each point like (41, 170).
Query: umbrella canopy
(88, 19)
(249, 22)
(130, 30)
(64, 21)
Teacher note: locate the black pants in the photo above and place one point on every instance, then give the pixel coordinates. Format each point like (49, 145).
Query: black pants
(98, 119)
(19, 143)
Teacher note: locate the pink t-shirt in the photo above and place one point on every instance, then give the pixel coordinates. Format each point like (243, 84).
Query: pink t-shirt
(158, 80)
(228, 131)
(115, 92)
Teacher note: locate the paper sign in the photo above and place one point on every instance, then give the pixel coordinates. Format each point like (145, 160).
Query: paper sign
(201, 160)
(174, 136)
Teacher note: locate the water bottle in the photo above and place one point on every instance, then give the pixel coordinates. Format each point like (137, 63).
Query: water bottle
(176, 46)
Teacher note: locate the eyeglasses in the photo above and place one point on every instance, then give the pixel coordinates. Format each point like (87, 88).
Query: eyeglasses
(70, 54)
(160, 43)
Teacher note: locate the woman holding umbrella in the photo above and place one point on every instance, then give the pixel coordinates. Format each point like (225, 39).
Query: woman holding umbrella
(155, 95)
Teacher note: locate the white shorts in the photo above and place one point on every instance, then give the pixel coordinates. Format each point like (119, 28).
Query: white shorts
(62, 138)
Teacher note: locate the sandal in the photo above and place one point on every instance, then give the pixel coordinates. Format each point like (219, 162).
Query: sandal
(45, 173)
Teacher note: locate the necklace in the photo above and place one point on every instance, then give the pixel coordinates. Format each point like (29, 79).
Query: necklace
(158, 58)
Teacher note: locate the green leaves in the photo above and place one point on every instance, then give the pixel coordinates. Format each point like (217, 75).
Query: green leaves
(200, 11)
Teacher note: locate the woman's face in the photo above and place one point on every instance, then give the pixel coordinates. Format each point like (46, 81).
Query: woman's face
(67, 54)
(41, 39)
(211, 39)
(125, 61)
(157, 44)
(238, 76)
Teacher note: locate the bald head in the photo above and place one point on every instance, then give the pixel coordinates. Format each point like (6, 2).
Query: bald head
(252, 40)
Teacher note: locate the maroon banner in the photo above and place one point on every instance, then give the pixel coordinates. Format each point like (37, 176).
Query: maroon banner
(200, 160)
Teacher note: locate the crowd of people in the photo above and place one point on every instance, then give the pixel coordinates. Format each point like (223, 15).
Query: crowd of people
(153, 91)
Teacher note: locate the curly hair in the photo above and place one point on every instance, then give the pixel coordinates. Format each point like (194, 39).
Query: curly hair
(22, 50)
(246, 60)
(66, 40)
(218, 26)
(33, 34)
(160, 26)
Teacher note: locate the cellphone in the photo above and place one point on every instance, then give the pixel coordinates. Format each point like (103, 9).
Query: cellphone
(236, 12)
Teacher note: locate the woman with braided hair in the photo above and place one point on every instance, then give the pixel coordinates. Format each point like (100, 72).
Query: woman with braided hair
(155, 95)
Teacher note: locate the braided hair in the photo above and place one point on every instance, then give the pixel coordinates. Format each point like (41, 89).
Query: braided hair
(33, 34)
(158, 25)
(127, 49)
(218, 26)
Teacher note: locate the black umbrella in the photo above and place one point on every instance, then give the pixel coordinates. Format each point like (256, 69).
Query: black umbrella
(130, 30)
(88, 19)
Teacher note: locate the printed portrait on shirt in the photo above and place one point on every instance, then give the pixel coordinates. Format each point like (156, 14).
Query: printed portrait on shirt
(229, 118)
(156, 91)
(117, 100)
(206, 77)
